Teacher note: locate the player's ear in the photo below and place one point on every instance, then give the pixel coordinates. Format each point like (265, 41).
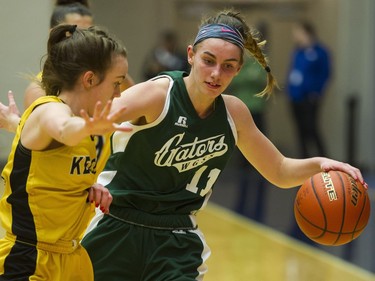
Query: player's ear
(88, 79)
(190, 54)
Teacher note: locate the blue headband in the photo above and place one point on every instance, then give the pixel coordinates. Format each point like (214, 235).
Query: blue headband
(222, 31)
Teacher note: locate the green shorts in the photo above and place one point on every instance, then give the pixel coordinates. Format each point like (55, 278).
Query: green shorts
(136, 246)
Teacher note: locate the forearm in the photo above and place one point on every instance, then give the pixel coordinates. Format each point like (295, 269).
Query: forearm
(294, 172)
(72, 131)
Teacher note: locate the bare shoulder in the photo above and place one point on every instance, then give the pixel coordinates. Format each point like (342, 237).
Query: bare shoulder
(36, 133)
(150, 87)
(144, 100)
(158, 86)
(49, 109)
(240, 114)
(236, 107)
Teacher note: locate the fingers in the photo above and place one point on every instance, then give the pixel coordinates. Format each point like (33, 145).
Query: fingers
(354, 172)
(12, 103)
(101, 196)
(102, 112)
(11, 98)
(103, 120)
(357, 175)
(365, 185)
(115, 115)
(98, 111)
(84, 115)
(106, 110)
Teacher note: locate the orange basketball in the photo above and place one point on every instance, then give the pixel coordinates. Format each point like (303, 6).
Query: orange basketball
(332, 208)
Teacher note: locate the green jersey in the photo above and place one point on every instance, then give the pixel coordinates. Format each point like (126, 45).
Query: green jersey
(170, 165)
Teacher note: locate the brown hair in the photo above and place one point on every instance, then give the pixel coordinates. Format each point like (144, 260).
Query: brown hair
(68, 2)
(72, 51)
(60, 12)
(251, 42)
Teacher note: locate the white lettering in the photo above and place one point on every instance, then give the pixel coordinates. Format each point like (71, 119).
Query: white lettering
(189, 155)
(330, 188)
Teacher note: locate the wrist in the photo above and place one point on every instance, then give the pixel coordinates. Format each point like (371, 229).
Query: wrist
(14, 120)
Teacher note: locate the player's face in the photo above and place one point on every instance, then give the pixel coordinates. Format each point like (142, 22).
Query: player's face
(109, 88)
(214, 64)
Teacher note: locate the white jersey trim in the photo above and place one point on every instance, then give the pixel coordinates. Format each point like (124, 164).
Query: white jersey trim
(121, 139)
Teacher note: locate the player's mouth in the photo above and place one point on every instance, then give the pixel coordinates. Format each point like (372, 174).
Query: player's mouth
(213, 85)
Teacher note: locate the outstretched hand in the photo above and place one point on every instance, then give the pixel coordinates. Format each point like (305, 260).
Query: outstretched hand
(103, 120)
(9, 115)
(101, 196)
(333, 165)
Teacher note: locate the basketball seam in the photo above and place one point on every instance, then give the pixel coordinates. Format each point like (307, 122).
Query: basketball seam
(324, 230)
(343, 209)
(359, 218)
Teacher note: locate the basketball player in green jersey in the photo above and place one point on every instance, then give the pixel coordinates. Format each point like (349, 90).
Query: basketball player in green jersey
(50, 192)
(162, 172)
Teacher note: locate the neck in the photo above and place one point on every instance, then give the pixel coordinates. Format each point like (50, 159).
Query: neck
(72, 101)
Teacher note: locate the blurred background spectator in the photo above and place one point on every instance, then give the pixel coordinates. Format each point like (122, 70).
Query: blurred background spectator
(165, 56)
(307, 79)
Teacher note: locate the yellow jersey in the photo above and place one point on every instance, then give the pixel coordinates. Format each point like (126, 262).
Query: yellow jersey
(45, 196)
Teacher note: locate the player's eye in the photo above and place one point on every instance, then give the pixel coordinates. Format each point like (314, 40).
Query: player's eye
(117, 84)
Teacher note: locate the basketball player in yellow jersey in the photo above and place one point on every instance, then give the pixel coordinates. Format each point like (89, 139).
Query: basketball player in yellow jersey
(50, 191)
(70, 13)
(79, 14)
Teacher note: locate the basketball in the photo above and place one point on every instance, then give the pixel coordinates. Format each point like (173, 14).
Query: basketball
(332, 208)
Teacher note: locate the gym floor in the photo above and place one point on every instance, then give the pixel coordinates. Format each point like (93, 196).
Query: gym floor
(245, 250)
(278, 219)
